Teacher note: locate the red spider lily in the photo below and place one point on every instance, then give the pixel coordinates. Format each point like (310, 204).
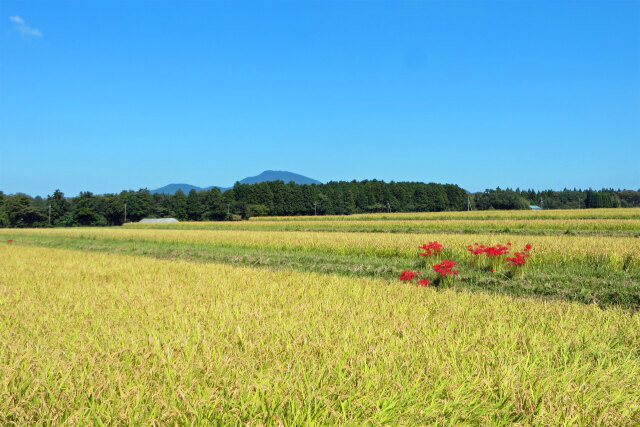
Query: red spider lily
(445, 268)
(489, 251)
(493, 270)
(408, 275)
(518, 259)
(433, 248)
(497, 250)
(423, 282)
(476, 249)
(10, 240)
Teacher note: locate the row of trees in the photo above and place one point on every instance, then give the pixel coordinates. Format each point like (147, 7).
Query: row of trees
(278, 198)
(549, 199)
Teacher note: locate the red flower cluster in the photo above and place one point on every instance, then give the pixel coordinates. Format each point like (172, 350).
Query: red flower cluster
(408, 275)
(433, 248)
(445, 268)
(520, 258)
(10, 240)
(498, 250)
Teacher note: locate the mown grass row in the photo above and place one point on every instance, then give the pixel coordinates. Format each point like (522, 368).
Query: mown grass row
(587, 283)
(560, 214)
(588, 227)
(106, 339)
(615, 253)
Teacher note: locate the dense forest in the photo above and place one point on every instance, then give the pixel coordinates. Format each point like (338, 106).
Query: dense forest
(277, 198)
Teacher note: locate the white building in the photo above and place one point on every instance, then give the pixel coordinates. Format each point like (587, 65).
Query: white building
(155, 220)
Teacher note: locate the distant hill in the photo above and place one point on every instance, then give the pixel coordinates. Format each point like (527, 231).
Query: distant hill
(279, 175)
(264, 176)
(172, 188)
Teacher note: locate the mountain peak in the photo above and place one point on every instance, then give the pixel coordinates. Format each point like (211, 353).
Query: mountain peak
(271, 175)
(268, 175)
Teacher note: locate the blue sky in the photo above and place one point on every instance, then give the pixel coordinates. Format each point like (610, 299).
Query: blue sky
(105, 96)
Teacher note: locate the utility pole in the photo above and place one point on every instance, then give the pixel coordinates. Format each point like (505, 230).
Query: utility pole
(125, 211)
(315, 209)
(389, 207)
(541, 203)
(468, 203)
(229, 211)
(49, 214)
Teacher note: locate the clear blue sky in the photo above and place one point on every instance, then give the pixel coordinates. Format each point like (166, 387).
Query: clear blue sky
(105, 96)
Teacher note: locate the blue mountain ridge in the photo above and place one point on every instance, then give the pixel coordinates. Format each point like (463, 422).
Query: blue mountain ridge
(267, 175)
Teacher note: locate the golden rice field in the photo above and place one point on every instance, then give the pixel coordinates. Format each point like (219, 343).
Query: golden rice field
(594, 222)
(503, 226)
(147, 324)
(564, 214)
(108, 339)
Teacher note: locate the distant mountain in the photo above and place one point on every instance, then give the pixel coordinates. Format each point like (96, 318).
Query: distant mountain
(279, 175)
(264, 176)
(173, 188)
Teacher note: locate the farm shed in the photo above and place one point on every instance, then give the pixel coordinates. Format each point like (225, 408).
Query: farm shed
(535, 208)
(147, 220)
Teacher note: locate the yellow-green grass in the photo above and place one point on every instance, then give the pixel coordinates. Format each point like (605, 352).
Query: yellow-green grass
(617, 213)
(601, 226)
(100, 338)
(610, 252)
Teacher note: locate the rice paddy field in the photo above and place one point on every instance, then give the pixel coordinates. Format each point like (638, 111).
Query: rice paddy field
(304, 320)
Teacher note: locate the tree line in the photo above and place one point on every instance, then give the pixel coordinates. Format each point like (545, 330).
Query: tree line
(277, 198)
(550, 199)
